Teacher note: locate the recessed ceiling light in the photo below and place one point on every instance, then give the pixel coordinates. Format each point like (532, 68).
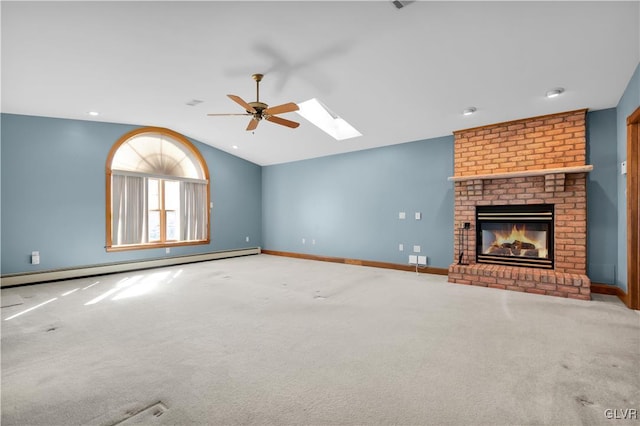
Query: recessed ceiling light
(235, 147)
(93, 113)
(469, 111)
(555, 92)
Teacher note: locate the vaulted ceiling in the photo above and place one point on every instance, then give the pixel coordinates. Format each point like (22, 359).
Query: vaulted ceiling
(397, 75)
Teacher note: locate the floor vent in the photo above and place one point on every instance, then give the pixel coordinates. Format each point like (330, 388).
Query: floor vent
(146, 416)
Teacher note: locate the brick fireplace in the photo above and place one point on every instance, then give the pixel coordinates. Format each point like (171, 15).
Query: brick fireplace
(538, 161)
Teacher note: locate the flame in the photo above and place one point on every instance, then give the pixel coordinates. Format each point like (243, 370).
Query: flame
(520, 233)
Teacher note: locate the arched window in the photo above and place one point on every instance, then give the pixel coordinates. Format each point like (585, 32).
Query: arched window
(157, 191)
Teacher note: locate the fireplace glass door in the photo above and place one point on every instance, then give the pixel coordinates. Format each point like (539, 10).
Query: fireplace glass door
(515, 235)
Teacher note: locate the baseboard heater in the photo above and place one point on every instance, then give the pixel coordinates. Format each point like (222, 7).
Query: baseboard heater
(110, 268)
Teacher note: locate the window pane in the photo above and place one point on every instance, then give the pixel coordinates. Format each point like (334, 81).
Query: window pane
(171, 195)
(154, 226)
(173, 225)
(159, 154)
(154, 194)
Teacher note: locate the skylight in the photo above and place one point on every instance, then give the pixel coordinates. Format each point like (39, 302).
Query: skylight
(325, 119)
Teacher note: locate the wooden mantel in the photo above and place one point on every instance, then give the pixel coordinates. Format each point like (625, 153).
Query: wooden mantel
(524, 173)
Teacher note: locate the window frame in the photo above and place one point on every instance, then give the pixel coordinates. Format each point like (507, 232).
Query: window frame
(108, 204)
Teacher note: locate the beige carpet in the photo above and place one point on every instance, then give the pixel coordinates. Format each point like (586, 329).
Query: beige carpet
(275, 341)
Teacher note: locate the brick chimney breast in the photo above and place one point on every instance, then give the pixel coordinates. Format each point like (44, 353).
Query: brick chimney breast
(539, 160)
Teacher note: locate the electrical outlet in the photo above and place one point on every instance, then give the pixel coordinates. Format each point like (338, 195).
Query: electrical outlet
(304, 241)
(422, 260)
(418, 216)
(402, 215)
(400, 247)
(246, 239)
(313, 242)
(167, 250)
(413, 259)
(35, 257)
(416, 249)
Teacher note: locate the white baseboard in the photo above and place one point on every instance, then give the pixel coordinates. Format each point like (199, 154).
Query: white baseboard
(84, 271)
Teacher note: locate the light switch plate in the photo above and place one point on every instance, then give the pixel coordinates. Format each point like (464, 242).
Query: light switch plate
(402, 215)
(416, 249)
(401, 247)
(418, 215)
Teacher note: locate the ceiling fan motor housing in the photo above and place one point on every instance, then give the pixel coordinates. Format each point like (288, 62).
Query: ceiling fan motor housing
(258, 106)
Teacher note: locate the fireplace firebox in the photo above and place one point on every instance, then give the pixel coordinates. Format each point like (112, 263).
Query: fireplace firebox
(516, 235)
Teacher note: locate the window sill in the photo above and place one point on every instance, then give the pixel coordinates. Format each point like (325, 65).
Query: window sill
(155, 245)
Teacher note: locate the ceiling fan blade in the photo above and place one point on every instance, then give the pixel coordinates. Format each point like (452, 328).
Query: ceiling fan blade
(242, 103)
(252, 124)
(282, 121)
(246, 113)
(281, 109)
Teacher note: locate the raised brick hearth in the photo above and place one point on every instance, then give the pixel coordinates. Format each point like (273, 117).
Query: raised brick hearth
(540, 160)
(522, 279)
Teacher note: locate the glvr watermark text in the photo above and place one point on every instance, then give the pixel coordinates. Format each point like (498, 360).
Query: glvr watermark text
(621, 413)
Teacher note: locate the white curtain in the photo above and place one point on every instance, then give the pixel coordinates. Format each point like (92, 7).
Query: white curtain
(129, 210)
(193, 211)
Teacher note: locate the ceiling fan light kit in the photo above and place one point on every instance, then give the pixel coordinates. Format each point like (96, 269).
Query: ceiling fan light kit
(260, 110)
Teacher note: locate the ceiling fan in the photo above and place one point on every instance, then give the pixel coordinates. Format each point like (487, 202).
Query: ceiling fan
(259, 110)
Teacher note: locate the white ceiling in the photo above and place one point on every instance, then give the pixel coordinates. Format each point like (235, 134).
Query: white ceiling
(397, 75)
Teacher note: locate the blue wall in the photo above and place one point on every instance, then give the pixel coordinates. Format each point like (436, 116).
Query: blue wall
(602, 197)
(53, 200)
(349, 203)
(53, 195)
(628, 103)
